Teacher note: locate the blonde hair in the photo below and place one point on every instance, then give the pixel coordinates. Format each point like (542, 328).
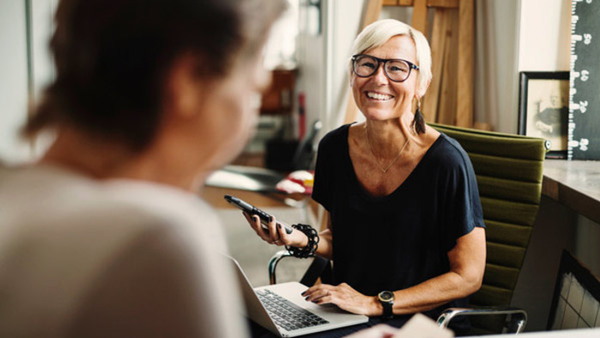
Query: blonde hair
(379, 32)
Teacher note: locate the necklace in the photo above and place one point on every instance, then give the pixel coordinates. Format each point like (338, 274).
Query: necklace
(385, 170)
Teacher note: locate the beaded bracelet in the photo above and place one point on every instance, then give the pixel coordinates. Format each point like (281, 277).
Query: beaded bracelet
(313, 241)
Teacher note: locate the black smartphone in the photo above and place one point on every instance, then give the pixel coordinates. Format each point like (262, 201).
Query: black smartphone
(252, 210)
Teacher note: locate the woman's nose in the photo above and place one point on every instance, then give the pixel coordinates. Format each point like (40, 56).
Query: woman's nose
(379, 75)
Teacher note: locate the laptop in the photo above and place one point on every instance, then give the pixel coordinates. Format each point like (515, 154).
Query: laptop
(281, 309)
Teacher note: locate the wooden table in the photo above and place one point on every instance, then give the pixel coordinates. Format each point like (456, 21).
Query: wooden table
(214, 197)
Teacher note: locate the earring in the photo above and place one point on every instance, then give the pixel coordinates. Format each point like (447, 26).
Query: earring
(418, 123)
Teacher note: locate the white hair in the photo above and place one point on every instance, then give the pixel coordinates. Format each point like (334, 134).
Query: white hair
(379, 32)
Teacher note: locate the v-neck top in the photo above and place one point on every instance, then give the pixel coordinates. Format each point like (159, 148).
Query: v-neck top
(399, 240)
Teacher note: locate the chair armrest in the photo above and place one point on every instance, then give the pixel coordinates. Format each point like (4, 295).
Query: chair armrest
(518, 317)
(319, 268)
(279, 255)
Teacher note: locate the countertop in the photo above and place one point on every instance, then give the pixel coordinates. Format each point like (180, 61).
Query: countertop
(576, 184)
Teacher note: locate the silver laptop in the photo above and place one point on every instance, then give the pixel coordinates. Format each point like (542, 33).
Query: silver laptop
(281, 309)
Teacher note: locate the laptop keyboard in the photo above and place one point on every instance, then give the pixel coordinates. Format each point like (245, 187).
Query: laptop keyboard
(287, 314)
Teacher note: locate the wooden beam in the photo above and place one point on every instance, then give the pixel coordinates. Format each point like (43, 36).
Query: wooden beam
(373, 12)
(447, 103)
(441, 24)
(430, 3)
(443, 3)
(464, 106)
(419, 17)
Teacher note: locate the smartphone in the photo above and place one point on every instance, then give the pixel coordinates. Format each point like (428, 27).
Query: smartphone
(252, 210)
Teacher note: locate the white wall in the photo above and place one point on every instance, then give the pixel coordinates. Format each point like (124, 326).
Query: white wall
(13, 80)
(16, 83)
(544, 40)
(545, 36)
(343, 22)
(311, 77)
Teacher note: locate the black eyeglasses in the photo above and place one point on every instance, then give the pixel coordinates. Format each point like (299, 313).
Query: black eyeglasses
(397, 70)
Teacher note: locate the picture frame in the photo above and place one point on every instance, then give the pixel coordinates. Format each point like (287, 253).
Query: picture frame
(544, 109)
(576, 298)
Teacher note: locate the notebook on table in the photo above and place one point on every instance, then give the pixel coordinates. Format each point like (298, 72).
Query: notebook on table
(281, 308)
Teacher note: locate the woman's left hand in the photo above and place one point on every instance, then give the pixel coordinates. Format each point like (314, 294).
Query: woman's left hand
(345, 297)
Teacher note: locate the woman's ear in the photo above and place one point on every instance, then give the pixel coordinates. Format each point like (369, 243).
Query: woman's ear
(183, 92)
(423, 88)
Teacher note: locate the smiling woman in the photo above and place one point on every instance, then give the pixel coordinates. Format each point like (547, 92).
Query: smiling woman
(405, 220)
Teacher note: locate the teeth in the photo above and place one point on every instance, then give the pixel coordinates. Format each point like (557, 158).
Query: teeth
(378, 96)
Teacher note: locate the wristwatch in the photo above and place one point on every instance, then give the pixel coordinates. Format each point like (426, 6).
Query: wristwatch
(386, 298)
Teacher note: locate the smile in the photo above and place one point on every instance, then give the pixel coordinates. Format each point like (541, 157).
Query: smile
(379, 97)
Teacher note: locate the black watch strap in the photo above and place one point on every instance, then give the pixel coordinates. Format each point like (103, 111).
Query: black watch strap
(387, 310)
(386, 298)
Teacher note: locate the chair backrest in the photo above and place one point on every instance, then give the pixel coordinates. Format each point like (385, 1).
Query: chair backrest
(509, 170)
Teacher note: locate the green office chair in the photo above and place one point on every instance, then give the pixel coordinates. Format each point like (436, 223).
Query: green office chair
(509, 170)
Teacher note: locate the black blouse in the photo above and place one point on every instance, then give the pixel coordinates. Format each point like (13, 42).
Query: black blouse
(396, 241)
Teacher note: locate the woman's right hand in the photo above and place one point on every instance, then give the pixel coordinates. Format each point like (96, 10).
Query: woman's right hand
(276, 233)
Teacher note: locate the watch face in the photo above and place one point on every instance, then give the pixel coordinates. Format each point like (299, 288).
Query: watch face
(386, 296)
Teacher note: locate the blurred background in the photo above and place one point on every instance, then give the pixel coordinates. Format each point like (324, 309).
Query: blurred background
(308, 53)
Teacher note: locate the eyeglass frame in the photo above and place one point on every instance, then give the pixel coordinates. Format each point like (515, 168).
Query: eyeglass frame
(382, 61)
